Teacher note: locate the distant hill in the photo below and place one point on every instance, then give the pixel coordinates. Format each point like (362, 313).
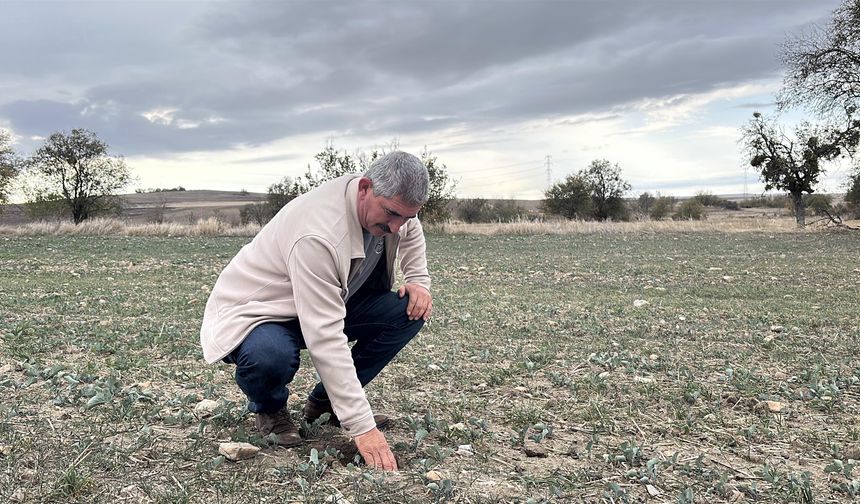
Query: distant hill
(172, 206)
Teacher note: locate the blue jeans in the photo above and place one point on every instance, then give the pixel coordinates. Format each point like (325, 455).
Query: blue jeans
(268, 358)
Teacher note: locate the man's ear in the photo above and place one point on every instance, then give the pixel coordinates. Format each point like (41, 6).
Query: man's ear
(364, 184)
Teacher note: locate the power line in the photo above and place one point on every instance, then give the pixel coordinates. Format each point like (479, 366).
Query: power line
(479, 176)
(491, 168)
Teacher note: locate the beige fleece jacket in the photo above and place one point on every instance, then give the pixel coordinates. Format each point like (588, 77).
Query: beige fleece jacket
(298, 267)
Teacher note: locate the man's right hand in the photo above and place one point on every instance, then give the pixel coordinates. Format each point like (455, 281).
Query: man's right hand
(374, 448)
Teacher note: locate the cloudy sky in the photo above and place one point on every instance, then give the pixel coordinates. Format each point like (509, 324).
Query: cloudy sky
(236, 94)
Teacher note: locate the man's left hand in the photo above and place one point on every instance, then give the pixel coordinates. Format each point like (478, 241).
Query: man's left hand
(420, 301)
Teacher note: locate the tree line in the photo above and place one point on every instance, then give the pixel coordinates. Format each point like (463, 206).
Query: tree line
(75, 175)
(333, 163)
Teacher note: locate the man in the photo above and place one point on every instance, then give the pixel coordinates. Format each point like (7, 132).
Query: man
(318, 275)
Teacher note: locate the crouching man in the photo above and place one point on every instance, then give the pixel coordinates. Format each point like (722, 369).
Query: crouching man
(317, 276)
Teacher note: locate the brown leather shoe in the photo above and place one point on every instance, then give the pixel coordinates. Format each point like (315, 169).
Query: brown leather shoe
(314, 410)
(281, 425)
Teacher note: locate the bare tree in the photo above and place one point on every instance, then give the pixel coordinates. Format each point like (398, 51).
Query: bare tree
(823, 65)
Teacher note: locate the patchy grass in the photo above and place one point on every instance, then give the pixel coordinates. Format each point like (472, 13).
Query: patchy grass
(539, 380)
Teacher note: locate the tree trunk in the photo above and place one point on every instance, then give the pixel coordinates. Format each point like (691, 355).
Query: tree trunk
(799, 209)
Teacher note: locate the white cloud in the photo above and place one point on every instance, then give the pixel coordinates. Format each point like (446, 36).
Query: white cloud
(163, 116)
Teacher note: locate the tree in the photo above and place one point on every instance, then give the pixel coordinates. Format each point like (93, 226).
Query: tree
(277, 195)
(823, 65)
(440, 191)
(570, 198)
(607, 189)
(646, 201)
(77, 168)
(332, 164)
(8, 165)
(793, 164)
(823, 70)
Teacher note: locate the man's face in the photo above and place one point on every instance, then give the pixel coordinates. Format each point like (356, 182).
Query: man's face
(381, 216)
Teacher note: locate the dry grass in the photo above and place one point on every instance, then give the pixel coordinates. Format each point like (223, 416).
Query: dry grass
(106, 227)
(215, 227)
(591, 227)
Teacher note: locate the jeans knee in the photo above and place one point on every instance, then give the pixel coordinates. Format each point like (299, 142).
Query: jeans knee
(268, 355)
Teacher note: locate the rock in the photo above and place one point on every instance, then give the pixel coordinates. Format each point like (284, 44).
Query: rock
(534, 450)
(433, 367)
(852, 452)
(18, 495)
(603, 375)
(653, 357)
(237, 451)
(5, 450)
(728, 278)
(639, 303)
(206, 407)
(465, 449)
(643, 379)
(652, 490)
(772, 406)
(433, 476)
(777, 328)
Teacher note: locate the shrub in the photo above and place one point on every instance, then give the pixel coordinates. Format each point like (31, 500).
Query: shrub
(473, 210)
(662, 207)
(691, 209)
(507, 211)
(772, 201)
(852, 195)
(570, 198)
(645, 202)
(819, 204)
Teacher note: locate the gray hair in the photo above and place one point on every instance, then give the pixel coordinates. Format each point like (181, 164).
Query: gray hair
(400, 174)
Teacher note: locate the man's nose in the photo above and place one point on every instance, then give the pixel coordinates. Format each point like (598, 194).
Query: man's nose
(395, 223)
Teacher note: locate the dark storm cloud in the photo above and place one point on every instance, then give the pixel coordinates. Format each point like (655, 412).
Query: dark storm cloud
(244, 73)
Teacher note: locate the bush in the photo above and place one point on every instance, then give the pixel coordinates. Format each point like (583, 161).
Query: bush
(480, 210)
(570, 198)
(819, 204)
(731, 205)
(662, 207)
(708, 199)
(691, 209)
(645, 202)
(711, 200)
(852, 196)
(473, 210)
(507, 211)
(773, 201)
(258, 213)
